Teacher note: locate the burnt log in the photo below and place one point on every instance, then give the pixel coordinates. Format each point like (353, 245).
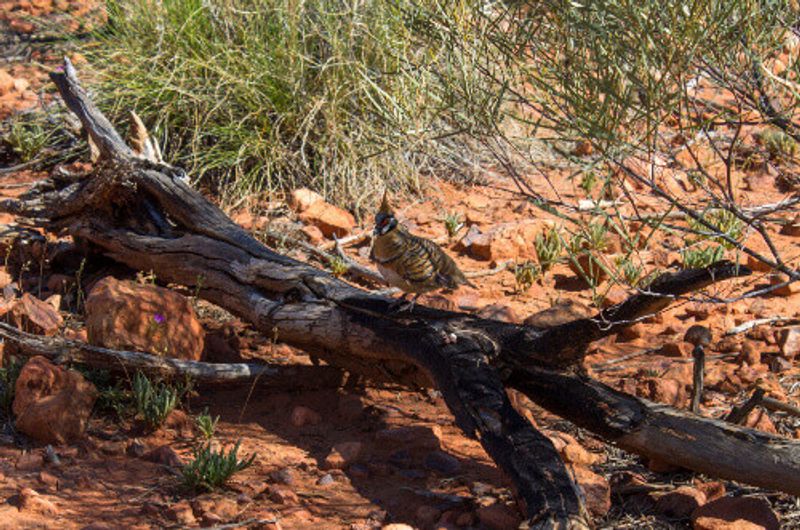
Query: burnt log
(144, 214)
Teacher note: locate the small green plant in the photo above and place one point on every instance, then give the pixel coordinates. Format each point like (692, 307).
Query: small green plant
(593, 237)
(548, 248)
(338, 266)
(153, 402)
(699, 257)
(778, 144)
(588, 182)
(207, 424)
(27, 138)
(727, 222)
(211, 468)
(453, 223)
(8, 379)
(525, 274)
(630, 272)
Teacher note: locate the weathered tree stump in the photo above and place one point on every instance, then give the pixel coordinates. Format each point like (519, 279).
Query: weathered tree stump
(142, 213)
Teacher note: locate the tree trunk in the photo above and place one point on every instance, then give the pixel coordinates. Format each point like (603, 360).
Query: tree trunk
(143, 214)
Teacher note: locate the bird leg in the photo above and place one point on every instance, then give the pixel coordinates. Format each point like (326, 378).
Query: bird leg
(402, 305)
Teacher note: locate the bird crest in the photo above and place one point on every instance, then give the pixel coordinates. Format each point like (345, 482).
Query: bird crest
(385, 208)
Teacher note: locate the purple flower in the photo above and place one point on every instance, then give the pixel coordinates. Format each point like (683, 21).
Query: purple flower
(159, 318)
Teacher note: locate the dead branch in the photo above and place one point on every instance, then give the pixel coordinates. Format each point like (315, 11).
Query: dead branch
(67, 351)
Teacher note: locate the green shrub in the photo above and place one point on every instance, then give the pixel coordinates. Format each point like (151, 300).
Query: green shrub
(698, 257)
(725, 221)
(275, 94)
(211, 468)
(153, 402)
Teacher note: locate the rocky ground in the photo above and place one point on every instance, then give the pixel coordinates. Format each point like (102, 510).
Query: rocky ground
(355, 457)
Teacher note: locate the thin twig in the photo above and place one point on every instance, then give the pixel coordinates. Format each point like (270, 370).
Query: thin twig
(779, 406)
(604, 366)
(747, 326)
(19, 167)
(239, 524)
(489, 272)
(353, 269)
(353, 239)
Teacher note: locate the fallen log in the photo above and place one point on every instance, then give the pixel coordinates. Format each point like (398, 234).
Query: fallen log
(143, 213)
(63, 350)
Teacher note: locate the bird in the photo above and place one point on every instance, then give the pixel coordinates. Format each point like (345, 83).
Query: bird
(411, 263)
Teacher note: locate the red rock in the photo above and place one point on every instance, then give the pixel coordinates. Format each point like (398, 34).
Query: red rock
(5, 278)
(560, 313)
(215, 509)
(281, 494)
(314, 234)
(303, 198)
(499, 312)
(595, 488)
(676, 349)
(302, 416)
(759, 419)
(681, 502)
(128, 315)
(712, 490)
(583, 148)
(789, 341)
(330, 219)
(164, 455)
(244, 218)
(342, 455)
(36, 316)
(52, 404)
(30, 501)
(733, 513)
(181, 512)
(571, 451)
(757, 265)
(6, 83)
(633, 332)
(750, 355)
(417, 436)
(499, 516)
(668, 391)
(181, 423)
(729, 345)
(503, 241)
(48, 480)
(783, 290)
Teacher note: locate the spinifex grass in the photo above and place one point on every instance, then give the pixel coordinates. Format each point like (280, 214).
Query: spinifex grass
(211, 468)
(273, 94)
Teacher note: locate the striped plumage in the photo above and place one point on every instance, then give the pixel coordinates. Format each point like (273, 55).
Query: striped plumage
(412, 263)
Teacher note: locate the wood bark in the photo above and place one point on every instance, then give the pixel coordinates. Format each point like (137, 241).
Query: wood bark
(144, 214)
